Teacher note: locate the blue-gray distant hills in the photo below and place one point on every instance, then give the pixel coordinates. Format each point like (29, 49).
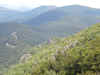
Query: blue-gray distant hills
(21, 30)
(7, 14)
(13, 15)
(76, 11)
(65, 20)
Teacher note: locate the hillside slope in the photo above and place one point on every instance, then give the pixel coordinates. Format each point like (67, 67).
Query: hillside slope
(76, 13)
(15, 39)
(25, 16)
(7, 15)
(76, 55)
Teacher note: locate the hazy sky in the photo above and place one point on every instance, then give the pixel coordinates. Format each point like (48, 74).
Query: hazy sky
(25, 4)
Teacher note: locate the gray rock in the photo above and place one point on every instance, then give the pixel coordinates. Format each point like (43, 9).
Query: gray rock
(25, 58)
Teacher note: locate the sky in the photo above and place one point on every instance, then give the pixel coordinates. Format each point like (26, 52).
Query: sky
(29, 4)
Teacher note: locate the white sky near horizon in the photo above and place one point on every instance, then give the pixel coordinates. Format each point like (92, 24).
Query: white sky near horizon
(26, 4)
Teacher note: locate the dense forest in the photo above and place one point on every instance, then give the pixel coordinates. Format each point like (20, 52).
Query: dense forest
(75, 55)
(49, 40)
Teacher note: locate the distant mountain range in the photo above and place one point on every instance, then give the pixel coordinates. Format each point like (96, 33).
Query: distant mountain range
(21, 30)
(12, 15)
(80, 12)
(7, 14)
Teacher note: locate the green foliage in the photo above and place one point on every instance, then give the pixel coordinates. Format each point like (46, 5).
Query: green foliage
(46, 23)
(75, 55)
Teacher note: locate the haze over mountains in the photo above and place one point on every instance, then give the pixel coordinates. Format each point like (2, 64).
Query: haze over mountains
(21, 30)
(13, 15)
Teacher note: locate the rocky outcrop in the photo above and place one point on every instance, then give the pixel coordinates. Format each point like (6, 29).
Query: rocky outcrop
(71, 44)
(25, 58)
(11, 42)
(9, 45)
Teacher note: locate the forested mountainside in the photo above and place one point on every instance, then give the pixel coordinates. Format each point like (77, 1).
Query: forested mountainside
(19, 31)
(75, 55)
(74, 13)
(15, 40)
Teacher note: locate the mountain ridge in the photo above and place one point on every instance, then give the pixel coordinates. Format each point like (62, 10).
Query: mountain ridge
(59, 12)
(56, 22)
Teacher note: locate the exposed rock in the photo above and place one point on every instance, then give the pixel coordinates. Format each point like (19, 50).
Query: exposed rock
(63, 53)
(25, 58)
(71, 45)
(9, 45)
(40, 46)
(14, 35)
(11, 42)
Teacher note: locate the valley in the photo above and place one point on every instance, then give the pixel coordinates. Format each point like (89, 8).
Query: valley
(29, 31)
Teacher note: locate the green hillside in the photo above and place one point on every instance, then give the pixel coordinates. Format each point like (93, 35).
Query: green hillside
(76, 55)
(15, 40)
